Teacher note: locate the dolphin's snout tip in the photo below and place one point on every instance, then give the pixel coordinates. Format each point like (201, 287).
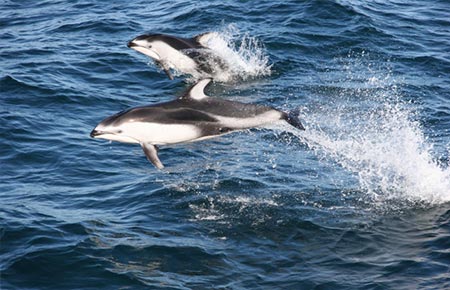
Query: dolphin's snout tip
(131, 44)
(94, 133)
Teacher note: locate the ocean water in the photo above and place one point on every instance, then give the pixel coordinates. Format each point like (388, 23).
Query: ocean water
(359, 200)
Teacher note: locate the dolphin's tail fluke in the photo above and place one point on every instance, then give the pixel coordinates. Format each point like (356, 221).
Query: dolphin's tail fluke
(292, 118)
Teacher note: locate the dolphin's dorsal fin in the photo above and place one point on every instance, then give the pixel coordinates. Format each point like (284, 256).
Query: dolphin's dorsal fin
(152, 154)
(204, 38)
(197, 91)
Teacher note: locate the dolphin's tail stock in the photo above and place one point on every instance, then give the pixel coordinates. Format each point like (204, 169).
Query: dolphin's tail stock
(292, 118)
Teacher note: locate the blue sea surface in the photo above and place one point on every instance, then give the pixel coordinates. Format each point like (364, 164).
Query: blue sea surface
(359, 200)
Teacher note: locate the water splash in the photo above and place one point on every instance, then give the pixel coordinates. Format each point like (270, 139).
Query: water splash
(372, 132)
(244, 55)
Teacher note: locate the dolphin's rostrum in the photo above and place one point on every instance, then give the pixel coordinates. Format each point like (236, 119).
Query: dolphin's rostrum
(192, 117)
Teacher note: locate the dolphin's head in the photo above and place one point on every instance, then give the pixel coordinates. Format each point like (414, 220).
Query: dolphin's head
(113, 128)
(148, 44)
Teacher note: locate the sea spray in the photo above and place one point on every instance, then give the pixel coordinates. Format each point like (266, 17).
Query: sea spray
(244, 55)
(369, 129)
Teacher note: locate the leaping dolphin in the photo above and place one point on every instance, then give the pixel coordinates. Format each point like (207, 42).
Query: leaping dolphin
(185, 55)
(192, 117)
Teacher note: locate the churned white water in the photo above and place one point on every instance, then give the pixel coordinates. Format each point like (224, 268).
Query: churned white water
(370, 130)
(244, 56)
(390, 155)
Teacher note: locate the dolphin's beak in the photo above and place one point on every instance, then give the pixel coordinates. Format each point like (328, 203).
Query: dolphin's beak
(95, 133)
(131, 44)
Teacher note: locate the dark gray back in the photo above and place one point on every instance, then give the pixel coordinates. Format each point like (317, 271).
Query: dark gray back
(188, 111)
(176, 42)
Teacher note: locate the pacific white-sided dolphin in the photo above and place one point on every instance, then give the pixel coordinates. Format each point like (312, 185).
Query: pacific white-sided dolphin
(192, 117)
(185, 55)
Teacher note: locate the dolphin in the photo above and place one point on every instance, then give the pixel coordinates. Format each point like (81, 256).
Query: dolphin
(185, 55)
(192, 117)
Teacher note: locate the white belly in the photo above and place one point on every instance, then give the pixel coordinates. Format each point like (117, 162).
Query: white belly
(168, 56)
(174, 58)
(160, 134)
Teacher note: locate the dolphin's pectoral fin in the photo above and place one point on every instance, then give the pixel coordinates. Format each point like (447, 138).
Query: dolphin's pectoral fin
(168, 73)
(152, 154)
(165, 68)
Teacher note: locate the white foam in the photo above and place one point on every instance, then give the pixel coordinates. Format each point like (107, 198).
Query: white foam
(371, 132)
(244, 55)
